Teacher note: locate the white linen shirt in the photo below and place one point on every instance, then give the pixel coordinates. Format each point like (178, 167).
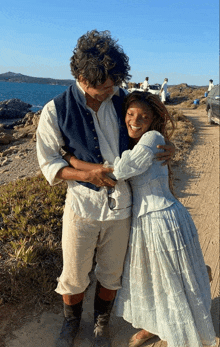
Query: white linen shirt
(164, 86)
(85, 202)
(211, 85)
(145, 85)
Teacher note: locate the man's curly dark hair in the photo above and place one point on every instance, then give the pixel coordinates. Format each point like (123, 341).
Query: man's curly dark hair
(98, 57)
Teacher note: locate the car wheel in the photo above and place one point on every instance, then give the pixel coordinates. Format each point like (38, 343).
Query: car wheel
(210, 117)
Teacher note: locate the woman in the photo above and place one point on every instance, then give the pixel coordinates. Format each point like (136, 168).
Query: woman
(165, 285)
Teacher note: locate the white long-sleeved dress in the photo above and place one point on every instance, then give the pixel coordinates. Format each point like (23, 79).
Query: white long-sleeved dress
(165, 285)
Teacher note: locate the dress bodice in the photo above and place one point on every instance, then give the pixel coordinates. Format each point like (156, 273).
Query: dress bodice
(149, 180)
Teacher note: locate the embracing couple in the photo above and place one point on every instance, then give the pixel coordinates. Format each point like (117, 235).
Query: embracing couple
(114, 145)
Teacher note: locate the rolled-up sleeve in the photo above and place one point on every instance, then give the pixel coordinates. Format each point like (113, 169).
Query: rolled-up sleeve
(49, 144)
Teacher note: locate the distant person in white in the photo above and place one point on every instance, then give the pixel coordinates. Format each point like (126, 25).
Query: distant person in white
(164, 91)
(211, 85)
(124, 85)
(145, 85)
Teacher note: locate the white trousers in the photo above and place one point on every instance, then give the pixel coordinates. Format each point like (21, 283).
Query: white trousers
(163, 96)
(80, 237)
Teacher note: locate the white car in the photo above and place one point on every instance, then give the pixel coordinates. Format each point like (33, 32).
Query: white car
(153, 89)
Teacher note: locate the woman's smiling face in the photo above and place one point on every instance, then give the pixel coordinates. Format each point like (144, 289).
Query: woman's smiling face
(138, 119)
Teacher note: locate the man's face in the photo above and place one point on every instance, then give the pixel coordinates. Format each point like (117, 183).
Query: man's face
(100, 92)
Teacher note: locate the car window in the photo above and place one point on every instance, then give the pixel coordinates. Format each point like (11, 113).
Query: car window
(154, 87)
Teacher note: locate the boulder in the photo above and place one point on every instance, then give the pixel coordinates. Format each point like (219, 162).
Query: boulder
(18, 136)
(14, 108)
(5, 138)
(35, 119)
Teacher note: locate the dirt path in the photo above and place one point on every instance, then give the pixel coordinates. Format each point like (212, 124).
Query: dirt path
(197, 187)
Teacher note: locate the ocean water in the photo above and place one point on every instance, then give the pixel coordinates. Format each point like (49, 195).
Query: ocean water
(35, 94)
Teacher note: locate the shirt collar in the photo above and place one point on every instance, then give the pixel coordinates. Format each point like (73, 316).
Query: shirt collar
(81, 93)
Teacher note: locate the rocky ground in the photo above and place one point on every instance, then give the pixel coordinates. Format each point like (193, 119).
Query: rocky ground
(18, 150)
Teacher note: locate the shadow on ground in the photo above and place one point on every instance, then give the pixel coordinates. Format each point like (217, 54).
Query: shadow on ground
(215, 312)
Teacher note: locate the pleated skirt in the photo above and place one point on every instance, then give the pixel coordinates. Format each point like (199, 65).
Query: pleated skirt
(165, 284)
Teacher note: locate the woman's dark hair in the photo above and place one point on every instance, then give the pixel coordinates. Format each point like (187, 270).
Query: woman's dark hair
(160, 113)
(98, 57)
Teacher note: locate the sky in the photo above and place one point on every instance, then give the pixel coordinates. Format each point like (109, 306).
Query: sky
(174, 39)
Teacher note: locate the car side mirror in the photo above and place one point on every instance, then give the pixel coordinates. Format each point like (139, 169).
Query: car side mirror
(217, 97)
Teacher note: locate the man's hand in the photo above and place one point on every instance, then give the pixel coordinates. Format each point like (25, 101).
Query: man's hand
(166, 156)
(99, 177)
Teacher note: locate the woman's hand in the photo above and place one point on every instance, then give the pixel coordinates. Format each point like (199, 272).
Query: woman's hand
(168, 154)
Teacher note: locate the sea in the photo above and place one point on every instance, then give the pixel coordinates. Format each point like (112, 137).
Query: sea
(35, 94)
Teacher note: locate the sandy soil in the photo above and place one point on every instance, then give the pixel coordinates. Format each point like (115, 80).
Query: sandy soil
(197, 186)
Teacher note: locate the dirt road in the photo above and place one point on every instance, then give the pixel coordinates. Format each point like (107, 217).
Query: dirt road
(197, 187)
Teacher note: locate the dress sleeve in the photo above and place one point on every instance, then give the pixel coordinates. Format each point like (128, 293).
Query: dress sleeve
(133, 162)
(138, 160)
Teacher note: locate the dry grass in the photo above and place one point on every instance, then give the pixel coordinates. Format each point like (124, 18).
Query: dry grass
(186, 97)
(183, 134)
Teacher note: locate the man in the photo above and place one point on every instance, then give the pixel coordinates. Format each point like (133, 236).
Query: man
(211, 85)
(145, 85)
(124, 85)
(164, 90)
(87, 121)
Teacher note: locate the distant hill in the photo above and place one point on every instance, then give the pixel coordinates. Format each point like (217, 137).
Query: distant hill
(19, 78)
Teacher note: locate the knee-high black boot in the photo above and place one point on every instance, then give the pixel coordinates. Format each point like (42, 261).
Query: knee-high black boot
(102, 311)
(72, 314)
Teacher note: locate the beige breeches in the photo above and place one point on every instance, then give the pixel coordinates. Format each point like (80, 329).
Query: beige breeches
(79, 239)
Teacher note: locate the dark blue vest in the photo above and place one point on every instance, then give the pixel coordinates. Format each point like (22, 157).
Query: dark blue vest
(78, 130)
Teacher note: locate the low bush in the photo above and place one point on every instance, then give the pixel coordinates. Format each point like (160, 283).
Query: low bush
(30, 234)
(183, 134)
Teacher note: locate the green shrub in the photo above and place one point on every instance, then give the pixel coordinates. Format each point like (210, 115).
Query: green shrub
(30, 234)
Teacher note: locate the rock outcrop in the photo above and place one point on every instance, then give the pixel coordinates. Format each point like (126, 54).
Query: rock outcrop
(23, 128)
(18, 149)
(14, 108)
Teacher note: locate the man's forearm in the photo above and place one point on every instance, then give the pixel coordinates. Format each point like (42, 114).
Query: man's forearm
(80, 164)
(69, 173)
(98, 176)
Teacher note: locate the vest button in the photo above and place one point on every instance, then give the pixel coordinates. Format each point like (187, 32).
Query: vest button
(95, 138)
(99, 155)
(96, 147)
(93, 129)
